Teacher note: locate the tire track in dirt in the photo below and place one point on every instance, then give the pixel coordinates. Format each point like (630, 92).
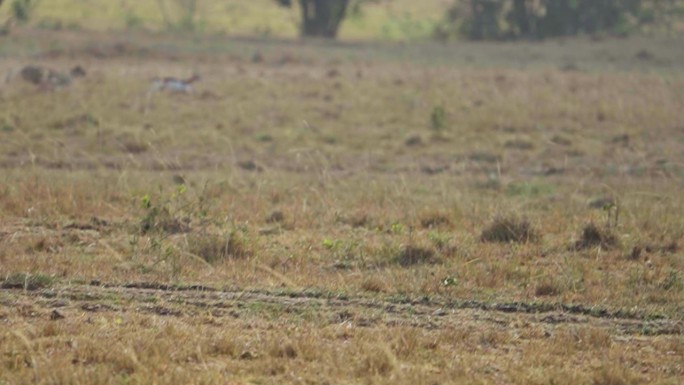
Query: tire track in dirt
(190, 301)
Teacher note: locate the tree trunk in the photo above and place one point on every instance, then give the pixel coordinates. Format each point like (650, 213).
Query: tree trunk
(322, 18)
(521, 17)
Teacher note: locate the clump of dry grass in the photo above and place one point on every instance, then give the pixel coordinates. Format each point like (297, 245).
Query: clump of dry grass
(509, 229)
(214, 248)
(411, 255)
(547, 287)
(374, 285)
(26, 281)
(430, 220)
(377, 361)
(276, 216)
(356, 219)
(595, 236)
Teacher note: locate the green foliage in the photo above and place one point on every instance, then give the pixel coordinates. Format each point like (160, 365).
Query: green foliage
(513, 19)
(529, 189)
(320, 18)
(438, 118)
(132, 21)
(180, 15)
(172, 213)
(22, 10)
(26, 281)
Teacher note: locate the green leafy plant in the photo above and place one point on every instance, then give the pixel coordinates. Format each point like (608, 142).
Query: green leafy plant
(22, 10)
(180, 15)
(438, 121)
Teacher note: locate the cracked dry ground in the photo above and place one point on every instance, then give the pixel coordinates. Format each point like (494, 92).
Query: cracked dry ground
(150, 333)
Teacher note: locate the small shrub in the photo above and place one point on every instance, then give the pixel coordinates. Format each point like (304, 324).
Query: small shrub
(547, 288)
(414, 141)
(438, 118)
(160, 220)
(180, 15)
(356, 219)
(378, 361)
(507, 230)
(594, 236)
(213, 248)
(434, 220)
(673, 281)
(22, 10)
(373, 285)
(27, 281)
(169, 214)
(275, 217)
(132, 20)
(635, 254)
(133, 146)
(282, 349)
(415, 255)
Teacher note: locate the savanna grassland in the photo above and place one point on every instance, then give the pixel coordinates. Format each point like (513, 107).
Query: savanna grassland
(342, 213)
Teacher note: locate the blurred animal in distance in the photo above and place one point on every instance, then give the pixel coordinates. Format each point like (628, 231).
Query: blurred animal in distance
(174, 84)
(46, 78)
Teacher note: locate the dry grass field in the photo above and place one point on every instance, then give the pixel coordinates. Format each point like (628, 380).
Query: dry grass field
(342, 213)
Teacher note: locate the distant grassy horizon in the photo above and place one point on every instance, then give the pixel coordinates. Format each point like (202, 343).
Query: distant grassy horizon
(395, 20)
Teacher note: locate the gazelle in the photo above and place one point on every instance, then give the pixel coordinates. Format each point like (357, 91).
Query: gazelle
(174, 84)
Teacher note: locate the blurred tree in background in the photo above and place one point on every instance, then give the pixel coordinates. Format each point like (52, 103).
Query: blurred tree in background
(179, 15)
(538, 19)
(320, 18)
